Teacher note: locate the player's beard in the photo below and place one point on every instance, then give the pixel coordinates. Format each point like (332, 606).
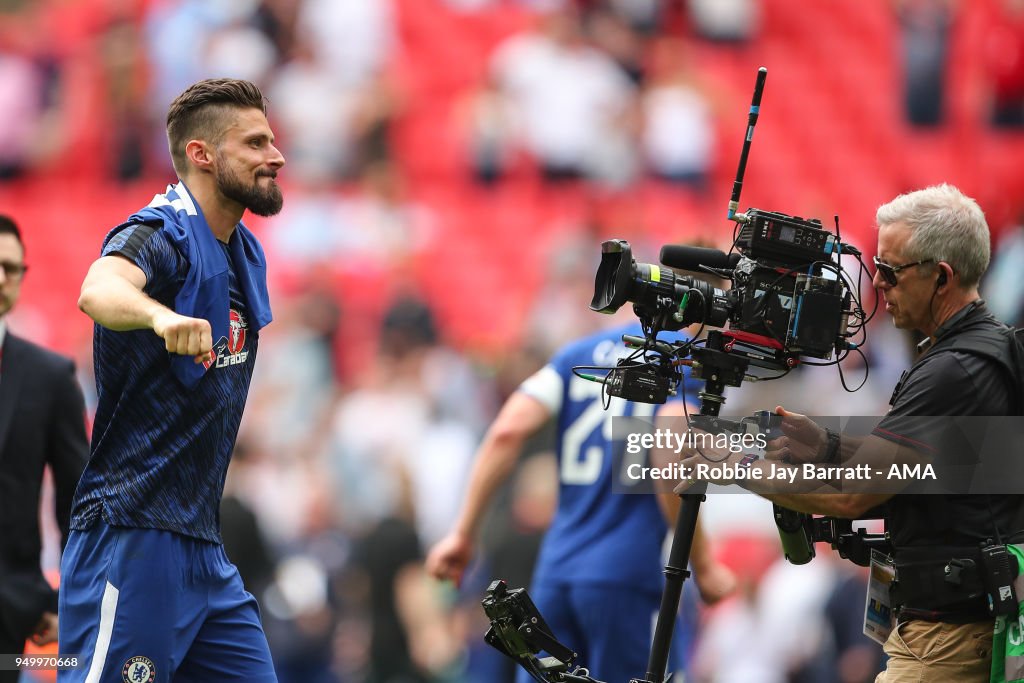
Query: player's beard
(262, 202)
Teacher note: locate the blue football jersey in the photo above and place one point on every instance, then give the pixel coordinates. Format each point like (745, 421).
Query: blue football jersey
(160, 452)
(598, 536)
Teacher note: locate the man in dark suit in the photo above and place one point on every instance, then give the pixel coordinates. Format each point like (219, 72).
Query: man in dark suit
(42, 422)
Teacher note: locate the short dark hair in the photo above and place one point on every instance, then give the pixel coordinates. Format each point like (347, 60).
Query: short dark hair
(198, 113)
(9, 227)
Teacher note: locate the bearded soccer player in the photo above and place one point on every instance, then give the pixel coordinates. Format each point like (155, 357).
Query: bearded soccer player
(178, 296)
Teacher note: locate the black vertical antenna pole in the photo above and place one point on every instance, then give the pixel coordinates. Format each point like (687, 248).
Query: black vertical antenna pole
(755, 109)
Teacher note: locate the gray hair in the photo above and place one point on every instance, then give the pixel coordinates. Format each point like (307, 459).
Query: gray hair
(945, 225)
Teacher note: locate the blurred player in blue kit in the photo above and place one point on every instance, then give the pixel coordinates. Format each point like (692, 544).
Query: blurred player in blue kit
(179, 296)
(598, 580)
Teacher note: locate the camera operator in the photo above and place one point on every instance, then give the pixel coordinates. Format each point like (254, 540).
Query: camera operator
(933, 247)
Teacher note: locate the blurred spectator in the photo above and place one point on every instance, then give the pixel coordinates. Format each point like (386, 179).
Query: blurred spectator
(240, 50)
(614, 35)
(431, 448)
(349, 130)
(126, 84)
(244, 541)
(435, 639)
(725, 21)
(301, 618)
(1003, 287)
(367, 450)
(458, 389)
(924, 29)
(489, 119)
(325, 590)
(381, 103)
(438, 470)
(381, 227)
(351, 39)
(573, 100)
(854, 658)
(368, 233)
(320, 138)
(388, 550)
(779, 621)
(438, 467)
(293, 388)
(678, 125)
(643, 16)
(30, 112)
(308, 233)
(277, 20)
(1004, 60)
(408, 327)
(561, 312)
(177, 33)
(510, 542)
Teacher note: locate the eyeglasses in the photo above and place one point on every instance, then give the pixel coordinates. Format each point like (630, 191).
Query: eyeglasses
(888, 272)
(13, 271)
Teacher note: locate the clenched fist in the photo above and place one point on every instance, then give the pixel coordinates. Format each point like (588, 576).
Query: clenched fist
(185, 336)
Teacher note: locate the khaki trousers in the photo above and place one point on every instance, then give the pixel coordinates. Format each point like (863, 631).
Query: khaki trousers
(937, 652)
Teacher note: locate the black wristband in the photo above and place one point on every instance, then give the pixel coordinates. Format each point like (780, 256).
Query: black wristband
(831, 454)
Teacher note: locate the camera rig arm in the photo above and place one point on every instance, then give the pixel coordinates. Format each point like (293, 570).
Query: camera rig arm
(519, 632)
(799, 532)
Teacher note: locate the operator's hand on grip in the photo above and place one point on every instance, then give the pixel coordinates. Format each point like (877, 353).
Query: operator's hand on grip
(185, 336)
(802, 440)
(449, 557)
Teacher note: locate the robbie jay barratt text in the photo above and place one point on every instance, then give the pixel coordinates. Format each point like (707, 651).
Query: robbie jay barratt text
(791, 473)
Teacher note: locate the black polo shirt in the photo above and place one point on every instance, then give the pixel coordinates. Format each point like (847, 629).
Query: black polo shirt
(944, 382)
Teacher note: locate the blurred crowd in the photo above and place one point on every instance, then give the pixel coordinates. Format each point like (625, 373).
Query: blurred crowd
(413, 291)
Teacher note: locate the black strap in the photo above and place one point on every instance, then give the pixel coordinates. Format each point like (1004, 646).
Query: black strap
(1001, 345)
(943, 581)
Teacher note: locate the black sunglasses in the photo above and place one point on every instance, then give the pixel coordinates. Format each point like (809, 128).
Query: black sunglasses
(13, 271)
(888, 272)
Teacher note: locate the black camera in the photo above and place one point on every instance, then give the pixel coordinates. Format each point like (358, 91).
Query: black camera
(788, 295)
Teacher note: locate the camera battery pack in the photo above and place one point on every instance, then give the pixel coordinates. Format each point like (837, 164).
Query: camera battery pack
(818, 314)
(638, 383)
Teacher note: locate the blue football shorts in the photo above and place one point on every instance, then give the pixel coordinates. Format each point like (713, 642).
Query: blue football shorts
(151, 606)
